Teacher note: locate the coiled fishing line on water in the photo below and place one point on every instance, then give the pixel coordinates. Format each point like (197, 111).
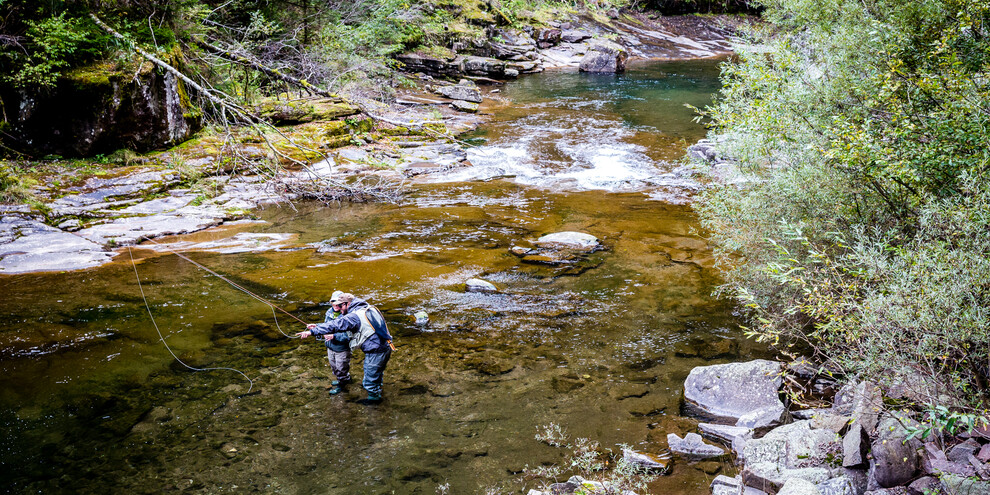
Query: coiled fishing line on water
(162, 337)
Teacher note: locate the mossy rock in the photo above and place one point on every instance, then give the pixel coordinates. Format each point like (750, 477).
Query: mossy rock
(395, 131)
(362, 125)
(337, 141)
(335, 128)
(292, 112)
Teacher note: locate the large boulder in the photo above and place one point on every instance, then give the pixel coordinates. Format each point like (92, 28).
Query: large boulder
(896, 458)
(862, 401)
(744, 394)
(547, 37)
(604, 56)
(484, 67)
(93, 110)
(790, 451)
(465, 90)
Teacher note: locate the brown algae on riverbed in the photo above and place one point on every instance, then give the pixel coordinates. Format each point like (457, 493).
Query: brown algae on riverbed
(596, 353)
(92, 399)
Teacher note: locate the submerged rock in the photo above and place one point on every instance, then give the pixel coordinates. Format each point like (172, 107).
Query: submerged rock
(421, 318)
(650, 462)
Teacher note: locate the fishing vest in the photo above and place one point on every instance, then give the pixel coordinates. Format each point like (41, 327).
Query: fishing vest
(370, 325)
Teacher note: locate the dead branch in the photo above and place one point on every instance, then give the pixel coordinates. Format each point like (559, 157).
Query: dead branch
(268, 71)
(226, 105)
(315, 186)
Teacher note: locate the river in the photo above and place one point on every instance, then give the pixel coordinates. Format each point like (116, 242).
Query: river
(92, 401)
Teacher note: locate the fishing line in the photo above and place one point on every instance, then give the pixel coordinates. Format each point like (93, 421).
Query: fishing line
(162, 337)
(231, 282)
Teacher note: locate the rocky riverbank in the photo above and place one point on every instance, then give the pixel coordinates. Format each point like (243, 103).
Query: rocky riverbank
(856, 443)
(82, 214)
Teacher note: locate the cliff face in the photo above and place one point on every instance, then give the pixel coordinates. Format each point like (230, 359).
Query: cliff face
(94, 110)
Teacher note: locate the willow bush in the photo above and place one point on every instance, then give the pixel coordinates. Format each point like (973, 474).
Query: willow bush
(862, 232)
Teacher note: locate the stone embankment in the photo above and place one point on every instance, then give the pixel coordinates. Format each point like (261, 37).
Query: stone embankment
(583, 43)
(855, 446)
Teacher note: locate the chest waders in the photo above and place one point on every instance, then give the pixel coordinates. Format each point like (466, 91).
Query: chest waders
(371, 324)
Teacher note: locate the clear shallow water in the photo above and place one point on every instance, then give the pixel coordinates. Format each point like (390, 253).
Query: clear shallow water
(569, 130)
(92, 402)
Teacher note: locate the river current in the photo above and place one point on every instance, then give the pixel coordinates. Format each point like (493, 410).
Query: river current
(92, 401)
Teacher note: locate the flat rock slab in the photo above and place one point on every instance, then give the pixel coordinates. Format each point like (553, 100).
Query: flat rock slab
(129, 230)
(724, 433)
(34, 247)
(744, 394)
(243, 242)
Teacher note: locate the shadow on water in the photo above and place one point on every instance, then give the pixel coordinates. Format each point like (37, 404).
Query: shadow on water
(92, 402)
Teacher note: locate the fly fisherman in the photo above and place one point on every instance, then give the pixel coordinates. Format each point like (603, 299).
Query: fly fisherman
(360, 325)
(338, 350)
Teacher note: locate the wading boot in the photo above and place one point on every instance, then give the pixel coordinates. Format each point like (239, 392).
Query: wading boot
(336, 389)
(372, 399)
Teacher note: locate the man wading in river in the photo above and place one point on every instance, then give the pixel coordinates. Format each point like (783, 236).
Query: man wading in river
(359, 325)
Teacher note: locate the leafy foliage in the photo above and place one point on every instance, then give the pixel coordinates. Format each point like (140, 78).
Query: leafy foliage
(862, 232)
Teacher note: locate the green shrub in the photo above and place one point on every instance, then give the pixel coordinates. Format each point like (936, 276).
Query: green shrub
(863, 128)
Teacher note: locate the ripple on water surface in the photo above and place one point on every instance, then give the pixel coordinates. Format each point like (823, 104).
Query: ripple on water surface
(575, 131)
